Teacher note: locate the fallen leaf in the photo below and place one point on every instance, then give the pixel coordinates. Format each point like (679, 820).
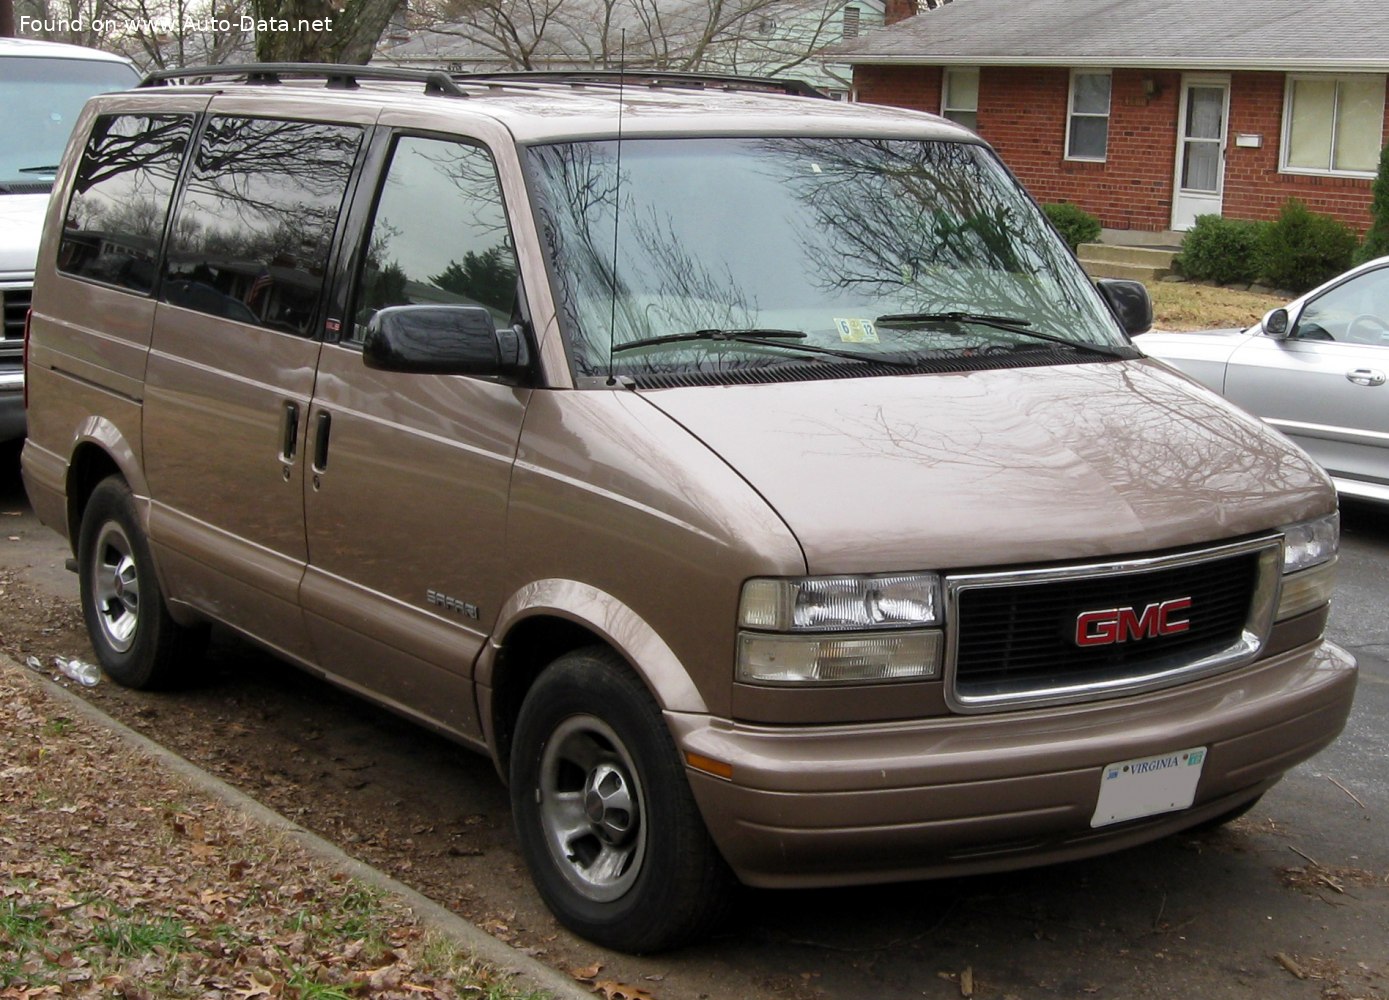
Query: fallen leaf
(587, 973)
(1288, 963)
(621, 991)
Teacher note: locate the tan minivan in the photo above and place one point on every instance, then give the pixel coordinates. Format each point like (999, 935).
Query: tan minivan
(758, 479)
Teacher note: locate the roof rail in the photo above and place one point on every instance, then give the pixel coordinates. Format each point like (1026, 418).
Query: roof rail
(648, 78)
(335, 76)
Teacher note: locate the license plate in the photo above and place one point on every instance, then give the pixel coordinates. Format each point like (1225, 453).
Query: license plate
(1148, 786)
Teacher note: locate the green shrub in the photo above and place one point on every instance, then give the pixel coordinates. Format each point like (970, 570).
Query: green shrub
(1075, 225)
(1222, 250)
(1303, 249)
(1377, 239)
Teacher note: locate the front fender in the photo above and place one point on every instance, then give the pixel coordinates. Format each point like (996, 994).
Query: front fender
(610, 619)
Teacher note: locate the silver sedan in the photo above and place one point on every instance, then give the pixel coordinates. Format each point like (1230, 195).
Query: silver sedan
(1314, 369)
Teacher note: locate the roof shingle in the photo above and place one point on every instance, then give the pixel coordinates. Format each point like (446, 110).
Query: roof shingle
(1223, 34)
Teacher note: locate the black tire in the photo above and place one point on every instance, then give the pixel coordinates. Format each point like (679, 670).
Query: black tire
(604, 813)
(135, 640)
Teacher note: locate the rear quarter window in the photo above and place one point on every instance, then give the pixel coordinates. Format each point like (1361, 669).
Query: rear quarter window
(120, 199)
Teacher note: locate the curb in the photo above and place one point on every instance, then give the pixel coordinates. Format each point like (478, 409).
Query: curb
(531, 973)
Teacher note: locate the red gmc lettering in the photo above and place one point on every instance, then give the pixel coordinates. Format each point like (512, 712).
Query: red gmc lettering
(1111, 625)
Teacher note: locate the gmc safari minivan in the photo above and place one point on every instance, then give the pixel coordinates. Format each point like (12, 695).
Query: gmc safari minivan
(756, 478)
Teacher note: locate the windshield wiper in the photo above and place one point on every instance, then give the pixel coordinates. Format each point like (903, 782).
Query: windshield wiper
(750, 336)
(39, 170)
(1008, 324)
(761, 338)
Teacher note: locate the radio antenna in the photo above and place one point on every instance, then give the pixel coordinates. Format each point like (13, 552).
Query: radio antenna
(617, 207)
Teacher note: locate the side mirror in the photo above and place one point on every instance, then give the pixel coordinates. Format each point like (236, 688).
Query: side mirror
(442, 340)
(1276, 324)
(1129, 302)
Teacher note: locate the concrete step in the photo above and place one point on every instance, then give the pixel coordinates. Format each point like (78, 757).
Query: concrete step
(1168, 239)
(1135, 272)
(1109, 253)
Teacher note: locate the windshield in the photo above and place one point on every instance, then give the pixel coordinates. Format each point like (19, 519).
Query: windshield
(39, 102)
(749, 252)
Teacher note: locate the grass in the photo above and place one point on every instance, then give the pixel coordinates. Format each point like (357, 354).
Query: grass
(1189, 306)
(23, 928)
(328, 949)
(131, 937)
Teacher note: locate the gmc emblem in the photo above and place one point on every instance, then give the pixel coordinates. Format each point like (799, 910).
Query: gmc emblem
(1104, 628)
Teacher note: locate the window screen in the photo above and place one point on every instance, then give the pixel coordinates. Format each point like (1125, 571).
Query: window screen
(252, 234)
(120, 199)
(960, 97)
(1333, 124)
(1087, 136)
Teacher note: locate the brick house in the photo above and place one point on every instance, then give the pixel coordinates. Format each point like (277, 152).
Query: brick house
(1149, 114)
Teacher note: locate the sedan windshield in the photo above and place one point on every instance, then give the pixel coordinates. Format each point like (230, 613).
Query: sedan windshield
(705, 256)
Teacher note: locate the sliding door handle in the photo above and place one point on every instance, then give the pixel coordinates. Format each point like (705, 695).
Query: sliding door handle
(322, 428)
(289, 437)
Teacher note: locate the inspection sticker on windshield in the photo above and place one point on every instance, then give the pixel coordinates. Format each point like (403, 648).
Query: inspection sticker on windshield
(856, 331)
(1148, 786)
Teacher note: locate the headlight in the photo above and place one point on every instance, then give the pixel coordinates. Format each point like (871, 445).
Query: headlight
(1309, 565)
(840, 629)
(841, 603)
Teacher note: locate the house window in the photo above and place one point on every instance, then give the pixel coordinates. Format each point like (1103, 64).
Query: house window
(852, 15)
(1333, 124)
(1087, 130)
(960, 97)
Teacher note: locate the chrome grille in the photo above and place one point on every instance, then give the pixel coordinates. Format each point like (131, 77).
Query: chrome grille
(1013, 641)
(16, 305)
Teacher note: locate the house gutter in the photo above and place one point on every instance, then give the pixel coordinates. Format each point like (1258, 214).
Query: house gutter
(1379, 65)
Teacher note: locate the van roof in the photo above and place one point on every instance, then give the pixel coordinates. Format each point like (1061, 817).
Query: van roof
(56, 50)
(549, 106)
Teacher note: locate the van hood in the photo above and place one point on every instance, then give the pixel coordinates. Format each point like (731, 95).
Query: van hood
(1002, 467)
(21, 222)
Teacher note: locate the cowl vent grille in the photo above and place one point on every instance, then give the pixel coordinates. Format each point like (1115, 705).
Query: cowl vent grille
(819, 371)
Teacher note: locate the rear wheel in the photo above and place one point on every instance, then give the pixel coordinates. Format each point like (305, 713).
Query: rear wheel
(604, 813)
(135, 640)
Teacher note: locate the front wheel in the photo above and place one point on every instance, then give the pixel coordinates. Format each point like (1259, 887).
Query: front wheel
(604, 814)
(136, 641)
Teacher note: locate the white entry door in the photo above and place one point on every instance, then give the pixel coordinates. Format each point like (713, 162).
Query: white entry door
(1202, 122)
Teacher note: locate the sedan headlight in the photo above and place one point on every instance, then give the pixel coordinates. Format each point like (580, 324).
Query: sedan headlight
(840, 629)
(1309, 565)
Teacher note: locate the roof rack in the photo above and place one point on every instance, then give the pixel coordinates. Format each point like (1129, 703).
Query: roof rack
(648, 78)
(335, 76)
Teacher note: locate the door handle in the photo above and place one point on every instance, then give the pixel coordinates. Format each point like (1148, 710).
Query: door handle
(1366, 376)
(289, 431)
(323, 426)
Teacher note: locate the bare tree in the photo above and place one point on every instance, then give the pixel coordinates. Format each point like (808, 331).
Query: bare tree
(761, 37)
(317, 31)
(161, 34)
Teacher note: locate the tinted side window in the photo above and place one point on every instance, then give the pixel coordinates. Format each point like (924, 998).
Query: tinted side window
(120, 199)
(439, 234)
(251, 235)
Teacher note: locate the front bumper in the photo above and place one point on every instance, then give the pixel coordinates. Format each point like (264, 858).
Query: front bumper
(839, 805)
(12, 422)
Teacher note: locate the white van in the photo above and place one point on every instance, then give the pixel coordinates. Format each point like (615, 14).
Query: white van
(43, 86)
